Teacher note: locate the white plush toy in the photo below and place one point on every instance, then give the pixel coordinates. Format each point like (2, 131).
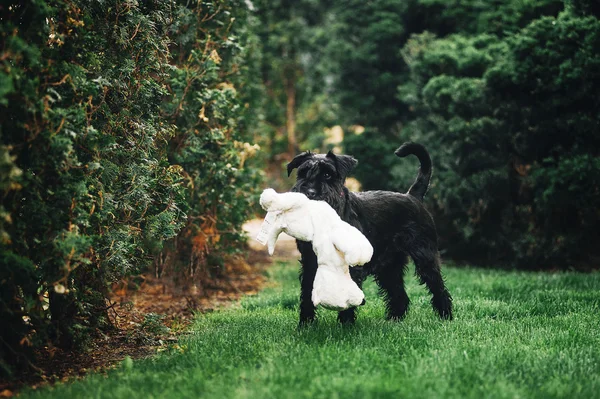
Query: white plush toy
(337, 244)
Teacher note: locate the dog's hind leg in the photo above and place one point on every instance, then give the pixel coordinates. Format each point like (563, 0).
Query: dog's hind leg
(307, 278)
(390, 279)
(347, 316)
(427, 267)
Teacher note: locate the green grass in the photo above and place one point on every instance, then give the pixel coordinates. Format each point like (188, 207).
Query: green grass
(515, 335)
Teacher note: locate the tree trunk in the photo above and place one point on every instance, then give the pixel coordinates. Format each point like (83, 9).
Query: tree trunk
(290, 91)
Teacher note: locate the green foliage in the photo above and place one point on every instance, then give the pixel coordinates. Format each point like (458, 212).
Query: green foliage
(80, 117)
(513, 126)
(471, 17)
(584, 7)
(565, 196)
(211, 138)
(375, 158)
(502, 94)
(369, 66)
(117, 119)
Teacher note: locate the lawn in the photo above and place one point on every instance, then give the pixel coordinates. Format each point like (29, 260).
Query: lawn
(515, 335)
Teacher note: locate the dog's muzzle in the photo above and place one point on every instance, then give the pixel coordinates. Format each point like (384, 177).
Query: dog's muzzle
(311, 193)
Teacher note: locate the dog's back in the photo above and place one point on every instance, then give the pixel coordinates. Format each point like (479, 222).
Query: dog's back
(392, 220)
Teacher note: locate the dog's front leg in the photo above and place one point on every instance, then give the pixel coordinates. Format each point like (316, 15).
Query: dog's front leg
(307, 278)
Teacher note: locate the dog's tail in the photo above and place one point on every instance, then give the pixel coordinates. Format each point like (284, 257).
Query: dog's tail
(421, 184)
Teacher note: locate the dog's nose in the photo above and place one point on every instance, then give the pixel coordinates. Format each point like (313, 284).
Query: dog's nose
(311, 192)
(363, 302)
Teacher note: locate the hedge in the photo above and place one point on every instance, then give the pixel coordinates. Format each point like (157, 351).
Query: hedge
(119, 135)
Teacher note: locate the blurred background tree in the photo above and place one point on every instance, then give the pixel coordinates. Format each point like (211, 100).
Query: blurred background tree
(501, 95)
(500, 92)
(295, 90)
(504, 113)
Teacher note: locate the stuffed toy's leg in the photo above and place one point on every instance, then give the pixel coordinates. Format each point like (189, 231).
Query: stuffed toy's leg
(334, 289)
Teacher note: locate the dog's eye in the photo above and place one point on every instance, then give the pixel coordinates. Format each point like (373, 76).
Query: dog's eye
(326, 176)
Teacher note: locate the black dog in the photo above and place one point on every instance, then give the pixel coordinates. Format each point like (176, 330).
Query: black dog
(397, 225)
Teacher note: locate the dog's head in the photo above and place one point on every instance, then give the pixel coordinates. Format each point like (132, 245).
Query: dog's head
(321, 177)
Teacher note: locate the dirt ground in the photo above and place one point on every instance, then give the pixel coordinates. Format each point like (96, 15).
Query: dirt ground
(148, 318)
(286, 245)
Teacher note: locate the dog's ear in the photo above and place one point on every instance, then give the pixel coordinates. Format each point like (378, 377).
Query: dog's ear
(343, 163)
(298, 160)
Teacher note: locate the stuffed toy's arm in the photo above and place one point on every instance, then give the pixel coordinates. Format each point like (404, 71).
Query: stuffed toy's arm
(270, 230)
